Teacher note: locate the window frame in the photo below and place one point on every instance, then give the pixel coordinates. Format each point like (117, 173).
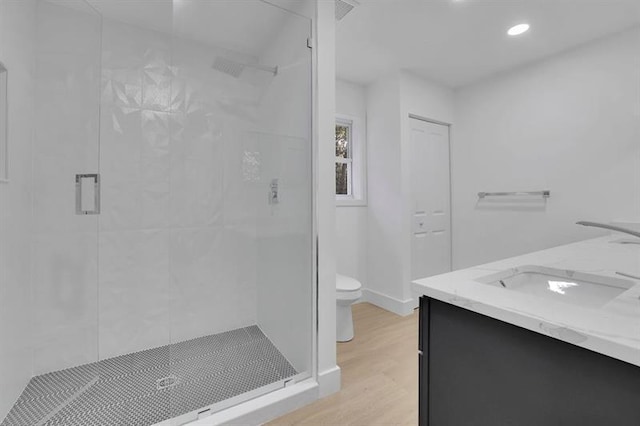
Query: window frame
(356, 175)
(348, 161)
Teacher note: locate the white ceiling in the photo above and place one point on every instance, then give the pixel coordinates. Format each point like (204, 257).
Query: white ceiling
(244, 26)
(457, 42)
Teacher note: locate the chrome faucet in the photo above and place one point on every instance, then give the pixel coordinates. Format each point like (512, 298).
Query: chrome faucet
(610, 227)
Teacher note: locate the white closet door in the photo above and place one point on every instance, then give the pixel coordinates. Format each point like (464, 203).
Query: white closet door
(430, 190)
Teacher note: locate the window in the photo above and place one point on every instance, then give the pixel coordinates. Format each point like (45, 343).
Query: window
(349, 148)
(344, 159)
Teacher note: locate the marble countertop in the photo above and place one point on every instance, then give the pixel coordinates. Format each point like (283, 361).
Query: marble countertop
(612, 329)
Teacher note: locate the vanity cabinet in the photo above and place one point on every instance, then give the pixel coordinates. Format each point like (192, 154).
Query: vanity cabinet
(479, 371)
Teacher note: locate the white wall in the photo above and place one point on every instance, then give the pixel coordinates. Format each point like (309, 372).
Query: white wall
(351, 221)
(325, 110)
(570, 124)
(385, 261)
(428, 100)
(389, 103)
(17, 45)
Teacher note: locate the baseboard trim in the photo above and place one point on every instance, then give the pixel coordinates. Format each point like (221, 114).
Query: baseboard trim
(391, 304)
(329, 381)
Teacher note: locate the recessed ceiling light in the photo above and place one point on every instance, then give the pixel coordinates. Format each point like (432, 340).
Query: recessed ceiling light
(518, 29)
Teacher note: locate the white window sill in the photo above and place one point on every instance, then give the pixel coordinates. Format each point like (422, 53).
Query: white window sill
(350, 202)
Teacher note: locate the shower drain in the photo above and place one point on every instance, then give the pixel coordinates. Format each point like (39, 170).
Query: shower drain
(166, 382)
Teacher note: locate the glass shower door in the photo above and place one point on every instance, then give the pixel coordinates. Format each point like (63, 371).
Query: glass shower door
(65, 204)
(240, 248)
(172, 241)
(66, 186)
(135, 306)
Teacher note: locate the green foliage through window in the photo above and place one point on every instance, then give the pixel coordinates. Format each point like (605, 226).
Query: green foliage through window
(343, 159)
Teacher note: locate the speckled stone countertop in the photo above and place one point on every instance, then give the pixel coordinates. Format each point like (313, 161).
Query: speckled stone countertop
(612, 329)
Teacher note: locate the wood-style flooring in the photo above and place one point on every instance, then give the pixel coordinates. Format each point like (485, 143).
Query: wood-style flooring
(379, 375)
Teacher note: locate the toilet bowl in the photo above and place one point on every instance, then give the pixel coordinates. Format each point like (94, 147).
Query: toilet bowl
(348, 291)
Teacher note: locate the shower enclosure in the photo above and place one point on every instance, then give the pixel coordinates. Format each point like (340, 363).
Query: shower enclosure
(168, 186)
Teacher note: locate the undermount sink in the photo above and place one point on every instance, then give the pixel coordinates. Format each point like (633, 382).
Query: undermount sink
(577, 288)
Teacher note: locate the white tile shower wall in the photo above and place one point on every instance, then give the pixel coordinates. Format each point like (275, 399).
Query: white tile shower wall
(572, 126)
(181, 156)
(66, 141)
(134, 251)
(17, 44)
(177, 249)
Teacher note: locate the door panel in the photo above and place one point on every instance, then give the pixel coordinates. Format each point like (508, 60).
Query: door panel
(430, 192)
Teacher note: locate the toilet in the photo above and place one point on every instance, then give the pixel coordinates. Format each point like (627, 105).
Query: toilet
(348, 291)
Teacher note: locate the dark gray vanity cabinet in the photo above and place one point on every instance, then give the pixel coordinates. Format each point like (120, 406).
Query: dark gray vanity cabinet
(479, 371)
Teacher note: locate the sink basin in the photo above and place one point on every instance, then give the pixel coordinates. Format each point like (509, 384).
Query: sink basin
(577, 288)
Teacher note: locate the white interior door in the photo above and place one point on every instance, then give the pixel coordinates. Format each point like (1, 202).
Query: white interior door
(430, 188)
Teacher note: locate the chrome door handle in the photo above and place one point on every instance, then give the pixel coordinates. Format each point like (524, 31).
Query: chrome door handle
(85, 186)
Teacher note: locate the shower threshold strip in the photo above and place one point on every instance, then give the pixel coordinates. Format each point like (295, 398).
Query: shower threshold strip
(154, 385)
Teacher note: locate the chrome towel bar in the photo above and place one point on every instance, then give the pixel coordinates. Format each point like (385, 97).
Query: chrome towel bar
(543, 194)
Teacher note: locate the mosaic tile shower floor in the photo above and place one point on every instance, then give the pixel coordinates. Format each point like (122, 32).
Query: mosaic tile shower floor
(151, 386)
